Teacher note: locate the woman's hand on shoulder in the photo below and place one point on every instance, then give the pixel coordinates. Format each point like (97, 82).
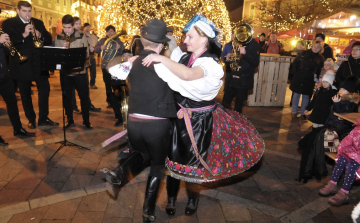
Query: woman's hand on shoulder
(132, 59)
(152, 58)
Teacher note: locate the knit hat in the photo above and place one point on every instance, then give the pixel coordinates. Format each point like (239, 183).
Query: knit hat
(322, 36)
(329, 77)
(350, 84)
(357, 43)
(262, 34)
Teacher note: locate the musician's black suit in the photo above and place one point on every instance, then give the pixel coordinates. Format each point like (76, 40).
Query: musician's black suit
(30, 70)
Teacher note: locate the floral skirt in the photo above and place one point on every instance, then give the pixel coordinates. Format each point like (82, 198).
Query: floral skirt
(235, 147)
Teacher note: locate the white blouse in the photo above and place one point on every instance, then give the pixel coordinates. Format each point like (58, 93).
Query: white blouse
(203, 89)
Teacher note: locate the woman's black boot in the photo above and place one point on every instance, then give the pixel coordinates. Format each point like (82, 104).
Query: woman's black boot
(151, 192)
(193, 201)
(127, 168)
(172, 187)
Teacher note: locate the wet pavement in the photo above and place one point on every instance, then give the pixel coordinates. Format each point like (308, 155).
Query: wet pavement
(69, 188)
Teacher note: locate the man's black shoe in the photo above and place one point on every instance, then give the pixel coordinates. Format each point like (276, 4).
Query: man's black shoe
(76, 110)
(69, 123)
(87, 125)
(23, 132)
(47, 121)
(2, 142)
(118, 122)
(32, 125)
(93, 108)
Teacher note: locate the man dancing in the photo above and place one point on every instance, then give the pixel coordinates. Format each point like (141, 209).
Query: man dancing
(151, 104)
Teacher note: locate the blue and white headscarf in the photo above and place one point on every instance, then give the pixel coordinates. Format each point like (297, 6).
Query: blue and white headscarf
(206, 25)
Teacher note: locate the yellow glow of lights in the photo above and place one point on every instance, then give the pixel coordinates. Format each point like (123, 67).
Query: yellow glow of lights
(130, 14)
(293, 43)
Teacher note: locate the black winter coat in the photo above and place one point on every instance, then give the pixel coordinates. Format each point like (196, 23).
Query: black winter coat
(244, 78)
(304, 68)
(321, 105)
(328, 52)
(344, 70)
(31, 68)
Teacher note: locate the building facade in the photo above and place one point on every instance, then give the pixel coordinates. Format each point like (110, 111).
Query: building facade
(51, 11)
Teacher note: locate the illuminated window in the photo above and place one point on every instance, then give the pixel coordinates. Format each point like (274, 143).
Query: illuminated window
(252, 11)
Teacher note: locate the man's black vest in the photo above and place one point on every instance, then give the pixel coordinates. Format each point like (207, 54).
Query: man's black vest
(149, 94)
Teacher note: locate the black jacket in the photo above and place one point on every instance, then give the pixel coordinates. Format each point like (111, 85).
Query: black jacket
(347, 104)
(30, 68)
(344, 70)
(304, 67)
(249, 62)
(328, 52)
(4, 73)
(321, 105)
(148, 93)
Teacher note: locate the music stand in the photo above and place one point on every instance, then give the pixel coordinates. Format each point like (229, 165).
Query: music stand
(59, 58)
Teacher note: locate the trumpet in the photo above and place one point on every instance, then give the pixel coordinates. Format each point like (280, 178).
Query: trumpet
(13, 50)
(36, 40)
(67, 39)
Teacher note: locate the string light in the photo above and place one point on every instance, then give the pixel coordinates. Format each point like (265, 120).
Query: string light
(130, 14)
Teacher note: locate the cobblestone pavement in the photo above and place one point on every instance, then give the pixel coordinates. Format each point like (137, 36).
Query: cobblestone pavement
(69, 188)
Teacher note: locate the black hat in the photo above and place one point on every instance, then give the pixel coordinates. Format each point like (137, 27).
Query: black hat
(169, 29)
(322, 36)
(86, 24)
(126, 51)
(357, 43)
(155, 31)
(262, 34)
(350, 84)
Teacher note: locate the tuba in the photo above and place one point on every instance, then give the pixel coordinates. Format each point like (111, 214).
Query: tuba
(110, 47)
(36, 40)
(13, 50)
(244, 33)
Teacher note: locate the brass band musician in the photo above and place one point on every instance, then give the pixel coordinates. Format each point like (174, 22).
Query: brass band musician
(7, 91)
(70, 79)
(110, 97)
(27, 34)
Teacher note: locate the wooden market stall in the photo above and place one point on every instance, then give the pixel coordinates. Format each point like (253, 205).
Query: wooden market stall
(270, 81)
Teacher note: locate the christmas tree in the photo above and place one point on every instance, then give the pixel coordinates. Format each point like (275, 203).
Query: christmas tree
(130, 14)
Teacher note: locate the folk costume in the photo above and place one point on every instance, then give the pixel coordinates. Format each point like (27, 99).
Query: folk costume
(151, 105)
(209, 142)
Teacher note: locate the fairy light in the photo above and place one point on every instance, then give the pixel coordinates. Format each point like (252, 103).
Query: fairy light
(130, 14)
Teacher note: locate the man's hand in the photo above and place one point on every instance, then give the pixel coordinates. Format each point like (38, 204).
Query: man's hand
(117, 46)
(336, 98)
(227, 57)
(306, 112)
(28, 29)
(242, 50)
(102, 47)
(38, 34)
(66, 44)
(4, 38)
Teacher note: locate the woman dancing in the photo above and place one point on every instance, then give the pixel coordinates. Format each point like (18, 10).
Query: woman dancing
(209, 142)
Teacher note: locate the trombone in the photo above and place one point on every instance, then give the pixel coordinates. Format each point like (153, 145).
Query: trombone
(13, 50)
(36, 40)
